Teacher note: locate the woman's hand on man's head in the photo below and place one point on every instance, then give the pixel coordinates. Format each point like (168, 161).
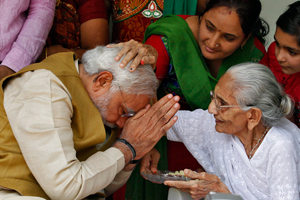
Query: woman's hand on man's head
(139, 53)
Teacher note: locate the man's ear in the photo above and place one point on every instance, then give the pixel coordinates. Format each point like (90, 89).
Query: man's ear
(254, 116)
(102, 81)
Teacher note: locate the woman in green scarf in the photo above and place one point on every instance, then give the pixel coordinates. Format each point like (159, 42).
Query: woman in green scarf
(193, 53)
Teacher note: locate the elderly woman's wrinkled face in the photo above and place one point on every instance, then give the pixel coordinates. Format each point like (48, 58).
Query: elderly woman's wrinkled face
(230, 120)
(220, 33)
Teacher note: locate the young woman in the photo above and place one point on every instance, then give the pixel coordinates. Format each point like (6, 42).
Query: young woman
(218, 39)
(284, 55)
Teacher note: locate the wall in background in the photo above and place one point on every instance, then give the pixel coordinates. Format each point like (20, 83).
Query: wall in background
(271, 10)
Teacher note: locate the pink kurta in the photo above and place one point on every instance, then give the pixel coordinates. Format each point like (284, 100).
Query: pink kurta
(24, 27)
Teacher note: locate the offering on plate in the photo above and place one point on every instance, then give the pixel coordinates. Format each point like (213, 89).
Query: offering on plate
(177, 173)
(164, 175)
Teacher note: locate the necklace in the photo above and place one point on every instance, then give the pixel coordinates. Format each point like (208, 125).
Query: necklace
(250, 154)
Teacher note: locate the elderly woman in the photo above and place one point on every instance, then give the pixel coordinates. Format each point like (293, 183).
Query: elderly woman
(244, 142)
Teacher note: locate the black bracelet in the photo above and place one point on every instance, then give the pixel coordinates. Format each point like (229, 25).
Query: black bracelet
(129, 146)
(135, 161)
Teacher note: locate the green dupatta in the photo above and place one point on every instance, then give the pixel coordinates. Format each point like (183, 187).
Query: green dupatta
(195, 82)
(180, 7)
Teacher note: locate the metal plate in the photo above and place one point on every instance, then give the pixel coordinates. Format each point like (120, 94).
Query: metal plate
(163, 175)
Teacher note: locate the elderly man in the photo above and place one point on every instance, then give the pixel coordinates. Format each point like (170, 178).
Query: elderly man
(50, 124)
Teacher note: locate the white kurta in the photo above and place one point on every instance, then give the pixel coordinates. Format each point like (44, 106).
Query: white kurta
(272, 173)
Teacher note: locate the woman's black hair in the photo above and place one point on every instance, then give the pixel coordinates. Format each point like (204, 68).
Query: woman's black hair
(289, 21)
(248, 12)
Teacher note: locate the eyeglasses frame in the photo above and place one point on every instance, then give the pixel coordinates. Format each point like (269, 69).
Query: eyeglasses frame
(219, 107)
(129, 113)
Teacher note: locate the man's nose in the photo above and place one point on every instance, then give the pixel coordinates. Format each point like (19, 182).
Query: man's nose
(121, 121)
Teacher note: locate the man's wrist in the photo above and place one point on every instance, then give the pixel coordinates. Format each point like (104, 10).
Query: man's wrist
(125, 150)
(131, 148)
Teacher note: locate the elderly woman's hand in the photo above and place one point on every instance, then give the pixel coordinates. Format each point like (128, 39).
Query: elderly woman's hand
(138, 52)
(201, 186)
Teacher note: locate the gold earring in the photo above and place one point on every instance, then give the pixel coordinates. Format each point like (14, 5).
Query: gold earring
(242, 46)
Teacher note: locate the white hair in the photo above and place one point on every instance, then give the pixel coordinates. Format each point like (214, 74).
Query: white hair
(140, 82)
(254, 85)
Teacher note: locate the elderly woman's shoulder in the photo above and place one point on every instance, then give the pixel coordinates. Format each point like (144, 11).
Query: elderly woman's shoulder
(285, 133)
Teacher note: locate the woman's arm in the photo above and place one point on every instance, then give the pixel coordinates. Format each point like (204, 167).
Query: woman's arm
(94, 29)
(163, 59)
(94, 32)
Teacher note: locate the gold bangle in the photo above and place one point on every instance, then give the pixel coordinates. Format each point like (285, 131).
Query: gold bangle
(46, 52)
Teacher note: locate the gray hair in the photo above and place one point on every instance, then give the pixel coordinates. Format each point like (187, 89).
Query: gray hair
(254, 85)
(140, 82)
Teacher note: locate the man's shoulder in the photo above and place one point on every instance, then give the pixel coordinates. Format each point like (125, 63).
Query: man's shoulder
(39, 76)
(32, 79)
(57, 63)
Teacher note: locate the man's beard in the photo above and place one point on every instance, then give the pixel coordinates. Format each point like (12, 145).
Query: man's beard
(102, 103)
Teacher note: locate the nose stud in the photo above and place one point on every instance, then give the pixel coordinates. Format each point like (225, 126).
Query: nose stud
(217, 45)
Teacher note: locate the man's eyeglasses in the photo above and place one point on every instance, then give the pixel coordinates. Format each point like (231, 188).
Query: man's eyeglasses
(218, 104)
(130, 112)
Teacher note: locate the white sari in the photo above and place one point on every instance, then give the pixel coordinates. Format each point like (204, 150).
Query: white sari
(272, 173)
